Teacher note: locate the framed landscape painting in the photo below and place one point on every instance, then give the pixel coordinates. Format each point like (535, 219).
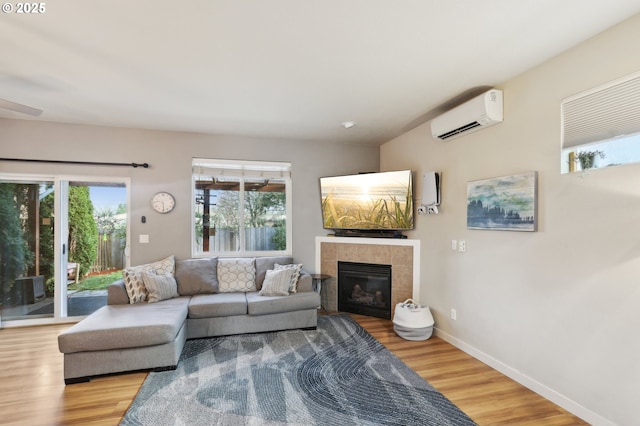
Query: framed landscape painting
(507, 203)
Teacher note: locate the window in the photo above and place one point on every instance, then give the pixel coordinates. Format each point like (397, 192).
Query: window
(601, 127)
(241, 207)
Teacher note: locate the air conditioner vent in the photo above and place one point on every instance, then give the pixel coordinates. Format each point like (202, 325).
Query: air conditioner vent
(459, 130)
(482, 111)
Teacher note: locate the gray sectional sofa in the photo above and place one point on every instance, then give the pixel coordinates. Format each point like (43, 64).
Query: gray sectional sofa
(124, 336)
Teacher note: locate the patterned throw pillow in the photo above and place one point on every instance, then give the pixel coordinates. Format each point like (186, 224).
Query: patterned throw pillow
(236, 274)
(159, 287)
(276, 283)
(296, 267)
(133, 282)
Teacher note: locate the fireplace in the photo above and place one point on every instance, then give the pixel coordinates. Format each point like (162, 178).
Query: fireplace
(364, 288)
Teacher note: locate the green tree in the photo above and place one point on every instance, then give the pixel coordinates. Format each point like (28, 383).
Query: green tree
(14, 258)
(47, 265)
(108, 223)
(83, 230)
(257, 204)
(280, 237)
(225, 214)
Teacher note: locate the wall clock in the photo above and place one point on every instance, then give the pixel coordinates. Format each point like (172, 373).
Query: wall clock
(163, 202)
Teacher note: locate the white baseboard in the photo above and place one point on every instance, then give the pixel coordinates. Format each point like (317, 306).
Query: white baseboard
(537, 387)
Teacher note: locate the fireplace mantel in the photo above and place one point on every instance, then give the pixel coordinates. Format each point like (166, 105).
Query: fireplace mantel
(402, 254)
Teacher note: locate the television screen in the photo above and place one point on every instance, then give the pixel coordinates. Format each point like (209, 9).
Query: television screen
(369, 201)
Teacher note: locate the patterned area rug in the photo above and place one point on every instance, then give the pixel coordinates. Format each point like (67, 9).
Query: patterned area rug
(335, 375)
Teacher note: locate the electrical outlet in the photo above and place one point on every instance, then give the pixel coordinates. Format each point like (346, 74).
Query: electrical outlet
(462, 246)
(454, 314)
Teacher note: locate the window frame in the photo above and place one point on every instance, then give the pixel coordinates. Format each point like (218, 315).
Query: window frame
(601, 122)
(243, 170)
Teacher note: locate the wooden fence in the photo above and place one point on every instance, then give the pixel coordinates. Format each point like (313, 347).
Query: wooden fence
(111, 247)
(110, 253)
(256, 239)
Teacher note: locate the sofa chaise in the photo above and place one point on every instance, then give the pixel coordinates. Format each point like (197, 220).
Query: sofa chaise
(155, 308)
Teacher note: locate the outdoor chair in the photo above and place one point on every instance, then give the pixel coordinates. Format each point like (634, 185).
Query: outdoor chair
(73, 272)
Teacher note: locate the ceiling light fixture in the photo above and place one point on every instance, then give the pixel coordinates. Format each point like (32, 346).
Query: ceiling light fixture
(348, 124)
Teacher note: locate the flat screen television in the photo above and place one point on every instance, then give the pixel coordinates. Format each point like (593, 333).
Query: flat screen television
(368, 203)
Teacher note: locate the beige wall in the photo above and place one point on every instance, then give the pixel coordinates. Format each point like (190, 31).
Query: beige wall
(559, 309)
(169, 154)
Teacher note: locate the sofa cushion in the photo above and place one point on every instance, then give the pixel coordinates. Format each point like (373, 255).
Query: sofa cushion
(126, 326)
(217, 305)
(117, 293)
(136, 290)
(262, 305)
(236, 274)
(159, 287)
(263, 264)
(305, 283)
(197, 276)
(277, 283)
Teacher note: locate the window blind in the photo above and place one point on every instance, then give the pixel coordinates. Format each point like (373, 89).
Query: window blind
(241, 169)
(602, 113)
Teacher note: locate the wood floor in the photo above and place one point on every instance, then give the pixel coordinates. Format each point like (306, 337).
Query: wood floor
(484, 394)
(32, 390)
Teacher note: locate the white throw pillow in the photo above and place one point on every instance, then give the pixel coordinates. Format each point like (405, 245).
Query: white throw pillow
(296, 267)
(236, 274)
(276, 283)
(159, 287)
(133, 282)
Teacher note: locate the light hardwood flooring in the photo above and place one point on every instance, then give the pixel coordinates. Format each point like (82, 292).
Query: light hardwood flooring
(32, 390)
(485, 395)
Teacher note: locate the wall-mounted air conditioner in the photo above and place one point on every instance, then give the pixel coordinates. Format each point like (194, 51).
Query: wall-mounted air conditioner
(478, 113)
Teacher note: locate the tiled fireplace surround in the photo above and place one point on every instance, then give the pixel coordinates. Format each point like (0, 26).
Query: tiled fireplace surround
(402, 254)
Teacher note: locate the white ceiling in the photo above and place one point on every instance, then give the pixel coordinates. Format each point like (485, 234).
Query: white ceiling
(279, 68)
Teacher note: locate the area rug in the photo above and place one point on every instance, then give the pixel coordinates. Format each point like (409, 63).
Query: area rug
(335, 375)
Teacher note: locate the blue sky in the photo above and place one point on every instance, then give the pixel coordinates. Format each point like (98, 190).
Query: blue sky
(104, 197)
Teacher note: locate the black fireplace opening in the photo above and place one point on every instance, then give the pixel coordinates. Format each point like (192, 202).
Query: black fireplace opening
(364, 288)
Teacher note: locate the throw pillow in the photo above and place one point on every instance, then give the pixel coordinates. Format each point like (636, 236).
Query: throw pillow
(136, 290)
(133, 282)
(236, 274)
(264, 263)
(276, 283)
(197, 276)
(297, 268)
(159, 287)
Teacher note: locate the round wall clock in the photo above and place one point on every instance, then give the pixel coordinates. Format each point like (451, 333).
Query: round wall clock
(163, 202)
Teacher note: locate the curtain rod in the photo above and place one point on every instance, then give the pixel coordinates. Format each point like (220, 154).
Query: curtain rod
(86, 163)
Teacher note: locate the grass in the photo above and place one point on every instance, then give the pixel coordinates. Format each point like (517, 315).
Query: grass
(388, 213)
(96, 282)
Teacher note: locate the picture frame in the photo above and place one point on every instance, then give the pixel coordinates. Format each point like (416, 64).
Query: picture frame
(505, 203)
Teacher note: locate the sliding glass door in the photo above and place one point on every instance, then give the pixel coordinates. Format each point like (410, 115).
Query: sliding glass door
(61, 243)
(27, 266)
(96, 243)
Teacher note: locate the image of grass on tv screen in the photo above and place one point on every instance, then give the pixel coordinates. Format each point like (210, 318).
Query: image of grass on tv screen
(378, 214)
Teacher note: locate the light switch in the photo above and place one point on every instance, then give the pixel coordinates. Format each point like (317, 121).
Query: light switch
(144, 239)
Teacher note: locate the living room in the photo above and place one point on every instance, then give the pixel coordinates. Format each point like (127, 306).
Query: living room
(554, 309)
